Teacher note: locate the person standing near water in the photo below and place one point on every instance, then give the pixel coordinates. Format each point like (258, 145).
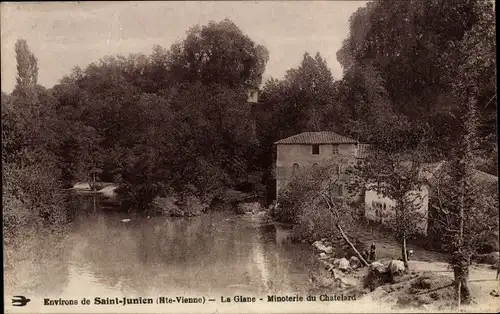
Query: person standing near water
(372, 252)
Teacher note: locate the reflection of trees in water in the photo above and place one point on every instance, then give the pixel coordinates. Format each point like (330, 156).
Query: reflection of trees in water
(111, 250)
(205, 253)
(147, 254)
(39, 265)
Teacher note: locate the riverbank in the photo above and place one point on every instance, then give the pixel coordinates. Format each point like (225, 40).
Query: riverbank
(186, 205)
(429, 286)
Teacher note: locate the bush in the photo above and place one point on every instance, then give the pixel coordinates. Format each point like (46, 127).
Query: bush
(313, 223)
(294, 196)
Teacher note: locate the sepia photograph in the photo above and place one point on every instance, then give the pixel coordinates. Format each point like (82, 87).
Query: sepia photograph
(250, 156)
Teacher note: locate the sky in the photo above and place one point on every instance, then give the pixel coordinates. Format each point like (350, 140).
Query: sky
(63, 35)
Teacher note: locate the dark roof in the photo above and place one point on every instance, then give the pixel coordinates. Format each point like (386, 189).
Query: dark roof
(317, 138)
(483, 177)
(479, 177)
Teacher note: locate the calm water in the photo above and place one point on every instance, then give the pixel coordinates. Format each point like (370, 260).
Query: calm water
(214, 253)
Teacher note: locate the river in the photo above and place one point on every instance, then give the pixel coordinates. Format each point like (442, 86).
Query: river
(218, 253)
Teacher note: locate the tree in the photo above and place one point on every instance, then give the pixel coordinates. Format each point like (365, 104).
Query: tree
(466, 89)
(459, 200)
(218, 53)
(27, 68)
(303, 97)
(417, 57)
(397, 176)
(32, 201)
(178, 118)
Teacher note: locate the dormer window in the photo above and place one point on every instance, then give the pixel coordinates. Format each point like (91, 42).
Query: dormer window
(315, 149)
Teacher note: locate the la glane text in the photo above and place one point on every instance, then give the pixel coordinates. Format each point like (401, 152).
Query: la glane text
(196, 300)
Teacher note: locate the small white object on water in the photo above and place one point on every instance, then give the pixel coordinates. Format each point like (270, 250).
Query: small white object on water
(125, 220)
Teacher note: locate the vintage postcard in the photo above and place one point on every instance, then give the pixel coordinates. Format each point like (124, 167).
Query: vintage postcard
(250, 157)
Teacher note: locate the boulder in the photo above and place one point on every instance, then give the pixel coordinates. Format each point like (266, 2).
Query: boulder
(321, 247)
(354, 262)
(343, 281)
(344, 264)
(396, 268)
(323, 255)
(378, 266)
(377, 276)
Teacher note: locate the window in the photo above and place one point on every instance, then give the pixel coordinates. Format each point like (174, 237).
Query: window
(315, 149)
(384, 206)
(335, 149)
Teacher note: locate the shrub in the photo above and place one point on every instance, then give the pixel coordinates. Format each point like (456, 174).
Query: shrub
(293, 197)
(313, 223)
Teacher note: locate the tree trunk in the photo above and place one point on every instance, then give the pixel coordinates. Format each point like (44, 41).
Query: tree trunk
(404, 255)
(461, 269)
(461, 274)
(360, 257)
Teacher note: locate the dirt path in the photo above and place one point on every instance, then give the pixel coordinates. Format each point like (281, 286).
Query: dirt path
(388, 247)
(477, 273)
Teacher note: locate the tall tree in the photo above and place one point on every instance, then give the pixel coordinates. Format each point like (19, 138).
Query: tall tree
(463, 167)
(32, 202)
(27, 67)
(218, 53)
(416, 47)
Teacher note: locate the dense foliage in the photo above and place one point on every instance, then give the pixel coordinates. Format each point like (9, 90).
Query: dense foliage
(32, 199)
(159, 124)
(177, 121)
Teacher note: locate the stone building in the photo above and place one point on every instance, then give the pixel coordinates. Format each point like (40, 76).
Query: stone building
(310, 149)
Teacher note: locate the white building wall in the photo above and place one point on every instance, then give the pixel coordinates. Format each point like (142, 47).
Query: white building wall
(381, 209)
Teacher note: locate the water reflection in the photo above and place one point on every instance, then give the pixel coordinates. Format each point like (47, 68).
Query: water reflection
(217, 252)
